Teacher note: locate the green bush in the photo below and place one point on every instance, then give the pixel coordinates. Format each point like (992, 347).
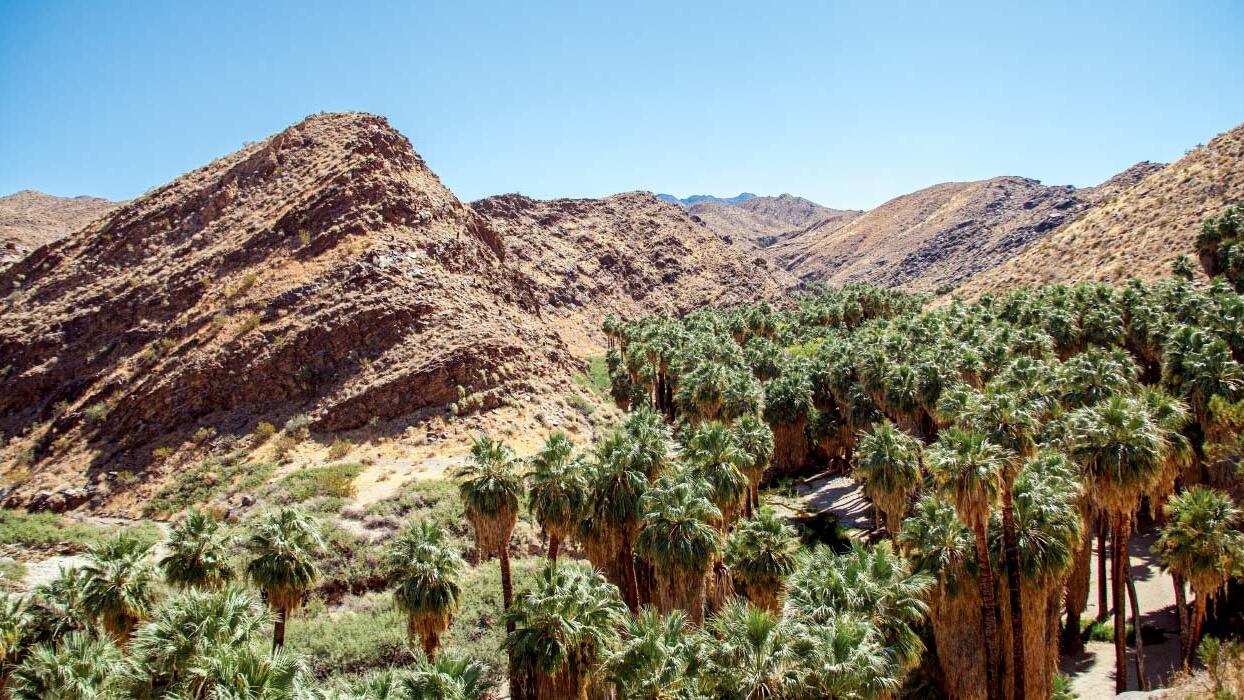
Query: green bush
(212, 477)
(39, 530)
(596, 378)
(332, 480)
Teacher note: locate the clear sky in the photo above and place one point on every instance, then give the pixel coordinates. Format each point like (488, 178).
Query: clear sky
(848, 104)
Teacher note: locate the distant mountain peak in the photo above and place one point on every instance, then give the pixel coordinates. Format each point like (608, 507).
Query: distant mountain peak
(697, 198)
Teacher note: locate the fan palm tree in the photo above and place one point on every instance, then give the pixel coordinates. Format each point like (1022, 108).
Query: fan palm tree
(426, 569)
(1122, 452)
(749, 653)
(967, 469)
(81, 667)
(57, 606)
(845, 656)
(1200, 545)
(563, 628)
(677, 536)
(283, 547)
(755, 438)
(15, 628)
(761, 553)
(719, 461)
(558, 490)
(118, 584)
(887, 465)
(242, 673)
(447, 678)
(490, 490)
(656, 659)
(617, 487)
(198, 555)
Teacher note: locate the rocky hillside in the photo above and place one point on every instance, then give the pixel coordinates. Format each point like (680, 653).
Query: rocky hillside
(324, 272)
(766, 221)
(1140, 229)
(696, 198)
(934, 238)
(29, 219)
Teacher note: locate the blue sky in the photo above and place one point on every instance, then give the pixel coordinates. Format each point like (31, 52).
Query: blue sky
(848, 104)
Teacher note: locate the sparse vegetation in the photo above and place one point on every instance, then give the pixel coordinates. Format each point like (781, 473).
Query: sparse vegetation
(199, 484)
(328, 481)
(340, 448)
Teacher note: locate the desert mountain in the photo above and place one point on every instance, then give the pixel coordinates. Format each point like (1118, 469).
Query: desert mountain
(937, 237)
(766, 221)
(29, 219)
(325, 271)
(693, 199)
(1139, 230)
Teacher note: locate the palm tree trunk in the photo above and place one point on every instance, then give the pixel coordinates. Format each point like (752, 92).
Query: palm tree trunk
(630, 586)
(1011, 548)
(555, 544)
(1140, 644)
(1103, 599)
(1185, 621)
(278, 629)
(1077, 593)
(988, 622)
(1118, 561)
(1198, 619)
(507, 586)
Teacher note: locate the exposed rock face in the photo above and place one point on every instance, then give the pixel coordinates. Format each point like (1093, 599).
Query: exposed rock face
(1139, 230)
(629, 254)
(29, 219)
(937, 237)
(766, 221)
(325, 271)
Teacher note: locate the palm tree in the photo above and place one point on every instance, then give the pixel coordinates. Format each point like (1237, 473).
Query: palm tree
(426, 569)
(617, 487)
(657, 658)
(558, 490)
(749, 653)
(15, 629)
(283, 548)
(118, 585)
(788, 406)
(1200, 545)
(184, 632)
(81, 667)
(490, 491)
(242, 673)
(846, 656)
(57, 606)
(755, 438)
(198, 554)
(941, 546)
(678, 537)
(447, 678)
(719, 461)
(887, 465)
(1122, 452)
(761, 553)
(562, 629)
(967, 468)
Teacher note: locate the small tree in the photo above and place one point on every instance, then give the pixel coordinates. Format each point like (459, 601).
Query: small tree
(283, 548)
(426, 569)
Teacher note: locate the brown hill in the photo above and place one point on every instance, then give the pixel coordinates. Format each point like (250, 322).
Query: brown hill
(325, 271)
(29, 219)
(1138, 231)
(937, 237)
(765, 221)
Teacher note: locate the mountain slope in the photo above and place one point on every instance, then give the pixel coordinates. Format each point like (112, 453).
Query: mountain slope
(697, 198)
(29, 219)
(937, 237)
(768, 220)
(1140, 230)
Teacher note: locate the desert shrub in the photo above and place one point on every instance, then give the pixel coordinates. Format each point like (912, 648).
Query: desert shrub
(298, 424)
(581, 405)
(207, 480)
(331, 480)
(95, 413)
(284, 444)
(12, 574)
(263, 431)
(204, 434)
(340, 448)
(161, 454)
(249, 323)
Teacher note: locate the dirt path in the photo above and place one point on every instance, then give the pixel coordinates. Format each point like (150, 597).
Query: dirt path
(839, 495)
(1092, 672)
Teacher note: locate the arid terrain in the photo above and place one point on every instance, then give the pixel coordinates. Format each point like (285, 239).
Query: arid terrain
(29, 219)
(766, 221)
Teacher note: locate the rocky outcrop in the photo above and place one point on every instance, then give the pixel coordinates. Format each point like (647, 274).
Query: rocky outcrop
(29, 219)
(766, 221)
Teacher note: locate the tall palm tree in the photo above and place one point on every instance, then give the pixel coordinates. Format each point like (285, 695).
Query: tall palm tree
(1200, 545)
(719, 461)
(755, 438)
(283, 547)
(118, 584)
(967, 468)
(490, 490)
(887, 465)
(1122, 452)
(562, 629)
(426, 569)
(242, 673)
(447, 678)
(656, 659)
(57, 606)
(678, 537)
(617, 487)
(761, 553)
(558, 490)
(81, 667)
(198, 553)
(750, 653)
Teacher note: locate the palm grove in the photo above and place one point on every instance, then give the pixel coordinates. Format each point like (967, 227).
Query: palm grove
(1000, 442)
